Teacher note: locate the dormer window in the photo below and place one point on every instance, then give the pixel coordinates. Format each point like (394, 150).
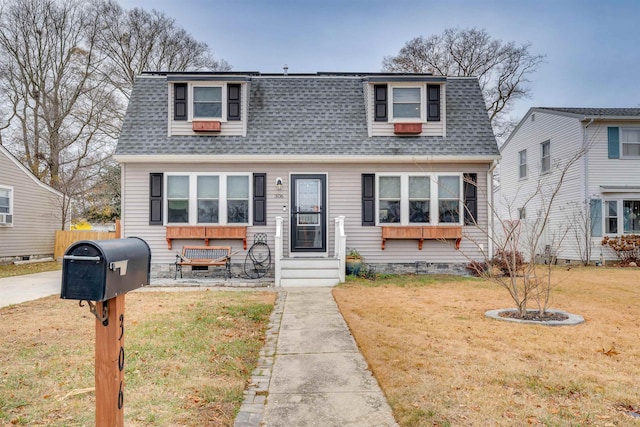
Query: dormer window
(207, 102)
(406, 103)
(402, 103)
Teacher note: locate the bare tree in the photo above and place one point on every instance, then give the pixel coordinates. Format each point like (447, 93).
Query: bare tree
(503, 68)
(66, 70)
(137, 40)
(517, 241)
(62, 116)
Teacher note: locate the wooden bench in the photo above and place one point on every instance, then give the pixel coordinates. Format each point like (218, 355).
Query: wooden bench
(207, 233)
(434, 232)
(204, 256)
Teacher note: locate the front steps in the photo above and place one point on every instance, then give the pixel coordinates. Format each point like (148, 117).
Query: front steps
(309, 272)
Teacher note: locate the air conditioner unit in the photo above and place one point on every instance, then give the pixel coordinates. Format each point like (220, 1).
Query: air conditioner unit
(6, 219)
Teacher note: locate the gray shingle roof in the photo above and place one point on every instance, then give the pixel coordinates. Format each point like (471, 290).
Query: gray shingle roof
(597, 112)
(309, 115)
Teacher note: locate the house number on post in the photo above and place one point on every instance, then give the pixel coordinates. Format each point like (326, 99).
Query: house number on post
(121, 362)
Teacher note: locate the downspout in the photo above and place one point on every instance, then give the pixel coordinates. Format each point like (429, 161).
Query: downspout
(585, 169)
(492, 209)
(585, 181)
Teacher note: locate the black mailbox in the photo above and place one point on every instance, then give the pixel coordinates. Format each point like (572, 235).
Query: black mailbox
(98, 270)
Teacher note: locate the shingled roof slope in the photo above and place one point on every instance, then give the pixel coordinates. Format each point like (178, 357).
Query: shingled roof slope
(314, 115)
(596, 112)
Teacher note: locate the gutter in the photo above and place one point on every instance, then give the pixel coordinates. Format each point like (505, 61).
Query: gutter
(336, 159)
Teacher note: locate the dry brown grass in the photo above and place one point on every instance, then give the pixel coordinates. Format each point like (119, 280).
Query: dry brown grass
(188, 358)
(441, 362)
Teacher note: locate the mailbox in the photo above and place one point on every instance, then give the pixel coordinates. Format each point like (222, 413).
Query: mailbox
(98, 270)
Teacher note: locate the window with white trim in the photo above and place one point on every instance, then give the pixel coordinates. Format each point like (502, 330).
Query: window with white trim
(201, 198)
(6, 206)
(522, 165)
(611, 216)
(406, 103)
(545, 156)
(622, 215)
(412, 199)
(631, 216)
(630, 140)
(207, 102)
(449, 199)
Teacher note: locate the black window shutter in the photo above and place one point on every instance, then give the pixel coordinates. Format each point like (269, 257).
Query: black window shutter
(259, 199)
(179, 101)
(233, 102)
(433, 103)
(470, 198)
(155, 198)
(380, 102)
(368, 199)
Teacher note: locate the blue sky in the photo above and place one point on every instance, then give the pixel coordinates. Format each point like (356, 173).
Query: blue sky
(592, 46)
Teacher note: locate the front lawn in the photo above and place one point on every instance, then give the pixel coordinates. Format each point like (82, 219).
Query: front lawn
(189, 356)
(441, 362)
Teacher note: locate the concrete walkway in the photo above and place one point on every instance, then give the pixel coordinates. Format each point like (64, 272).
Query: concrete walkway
(311, 372)
(17, 289)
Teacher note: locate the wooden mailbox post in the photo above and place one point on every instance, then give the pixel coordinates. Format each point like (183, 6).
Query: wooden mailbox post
(104, 271)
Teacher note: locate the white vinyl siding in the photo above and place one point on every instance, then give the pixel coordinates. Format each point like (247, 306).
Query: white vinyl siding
(516, 193)
(344, 199)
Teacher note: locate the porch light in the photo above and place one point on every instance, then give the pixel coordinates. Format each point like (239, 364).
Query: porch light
(279, 184)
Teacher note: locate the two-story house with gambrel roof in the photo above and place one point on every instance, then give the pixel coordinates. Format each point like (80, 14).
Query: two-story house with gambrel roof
(600, 194)
(396, 166)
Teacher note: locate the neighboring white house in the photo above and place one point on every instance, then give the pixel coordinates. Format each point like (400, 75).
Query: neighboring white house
(30, 212)
(600, 194)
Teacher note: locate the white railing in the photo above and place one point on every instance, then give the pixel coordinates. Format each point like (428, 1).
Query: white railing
(340, 246)
(278, 249)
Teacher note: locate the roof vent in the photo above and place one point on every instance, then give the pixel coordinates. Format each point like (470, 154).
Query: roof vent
(286, 69)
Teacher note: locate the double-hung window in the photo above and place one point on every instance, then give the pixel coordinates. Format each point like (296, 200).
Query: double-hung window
(419, 199)
(611, 216)
(406, 103)
(6, 205)
(207, 102)
(545, 156)
(389, 199)
(449, 199)
(194, 198)
(631, 216)
(630, 140)
(522, 165)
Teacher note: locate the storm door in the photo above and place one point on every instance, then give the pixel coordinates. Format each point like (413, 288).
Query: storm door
(308, 213)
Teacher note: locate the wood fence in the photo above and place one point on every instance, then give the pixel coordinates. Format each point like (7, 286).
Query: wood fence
(64, 238)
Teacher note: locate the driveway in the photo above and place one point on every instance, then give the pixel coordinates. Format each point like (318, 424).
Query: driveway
(17, 289)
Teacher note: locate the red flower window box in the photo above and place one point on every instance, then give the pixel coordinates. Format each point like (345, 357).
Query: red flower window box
(206, 126)
(407, 128)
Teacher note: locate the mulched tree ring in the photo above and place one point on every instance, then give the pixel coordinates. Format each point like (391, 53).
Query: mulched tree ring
(549, 318)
